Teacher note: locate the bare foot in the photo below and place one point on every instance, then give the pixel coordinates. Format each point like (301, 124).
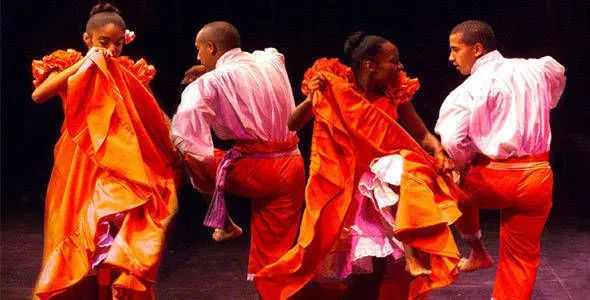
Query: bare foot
(477, 260)
(222, 235)
(413, 264)
(416, 269)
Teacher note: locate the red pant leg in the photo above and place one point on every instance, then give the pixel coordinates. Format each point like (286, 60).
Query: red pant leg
(276, 188)
(520, 234)
(524, 199)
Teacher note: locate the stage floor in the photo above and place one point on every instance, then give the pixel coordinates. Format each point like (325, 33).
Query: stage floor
(195, 267)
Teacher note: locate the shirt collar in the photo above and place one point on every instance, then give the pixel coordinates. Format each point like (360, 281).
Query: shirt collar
(486, 59)
(228, 56)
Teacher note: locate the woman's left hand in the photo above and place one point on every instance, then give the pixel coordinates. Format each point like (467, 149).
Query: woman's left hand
(317, 83)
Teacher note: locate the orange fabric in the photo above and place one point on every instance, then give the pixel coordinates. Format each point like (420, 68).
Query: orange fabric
(56, 61)
(275, 187)
(114, 155)
(349, 132)
(203, 173)
(397, 93)
(523, 196)
(482, 160)
(63, 59)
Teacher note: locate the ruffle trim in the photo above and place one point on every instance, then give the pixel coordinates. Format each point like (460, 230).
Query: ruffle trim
(400, 92)
(56, 61)
(63, 59)
(404, 89)
(330, 65)
(141, 69)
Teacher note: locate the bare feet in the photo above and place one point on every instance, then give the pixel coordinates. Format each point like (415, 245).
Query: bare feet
(231, 232)
(413, 264)
(416, 269)
(477, 260)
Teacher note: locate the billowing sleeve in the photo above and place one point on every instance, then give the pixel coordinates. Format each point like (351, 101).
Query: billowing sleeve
(191, 126)
(555, 77)
(56, 61)
(453, 127)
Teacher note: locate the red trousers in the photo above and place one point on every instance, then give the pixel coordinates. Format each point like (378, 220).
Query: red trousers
(521, 188)
(276, 187)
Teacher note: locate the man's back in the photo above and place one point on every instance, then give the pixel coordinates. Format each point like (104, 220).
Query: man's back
(246, 97)
(502, 112)
(254, 97)
(509, 101)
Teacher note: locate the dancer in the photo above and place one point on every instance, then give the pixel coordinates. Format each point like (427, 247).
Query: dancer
(371, 184)
(112, 194)
(496, 127)
(247, 98)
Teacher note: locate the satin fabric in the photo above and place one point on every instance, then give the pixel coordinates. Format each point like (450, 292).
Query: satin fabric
(114, 155)
(349, 132)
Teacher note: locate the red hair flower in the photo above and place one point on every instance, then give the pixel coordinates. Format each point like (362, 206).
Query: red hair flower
(129, 36)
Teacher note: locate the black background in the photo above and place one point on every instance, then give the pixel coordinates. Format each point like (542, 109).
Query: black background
(303, 31)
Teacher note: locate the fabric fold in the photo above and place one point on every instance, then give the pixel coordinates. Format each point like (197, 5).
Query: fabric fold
(113, 162)
(349, 132)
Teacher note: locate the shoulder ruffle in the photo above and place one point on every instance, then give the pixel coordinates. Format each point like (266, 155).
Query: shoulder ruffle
(330, 65)
(141, 69)
(56, 61)
(404, 89)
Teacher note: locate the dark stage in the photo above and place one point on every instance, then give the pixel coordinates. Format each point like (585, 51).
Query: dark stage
(194, 266)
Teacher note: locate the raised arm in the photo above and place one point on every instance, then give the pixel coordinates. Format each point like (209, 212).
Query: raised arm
(57, 81)
(303, 113)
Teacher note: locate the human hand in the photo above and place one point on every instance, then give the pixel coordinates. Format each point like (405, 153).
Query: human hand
(317, 83)
(105, 52)
(444, 163)
(193, 73)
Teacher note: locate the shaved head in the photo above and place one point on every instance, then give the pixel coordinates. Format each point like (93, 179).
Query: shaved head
(223, 34)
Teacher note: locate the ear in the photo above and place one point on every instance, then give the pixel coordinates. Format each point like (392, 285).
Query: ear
(212, 48)
(369, 66)
(87, 39)
(478, 50)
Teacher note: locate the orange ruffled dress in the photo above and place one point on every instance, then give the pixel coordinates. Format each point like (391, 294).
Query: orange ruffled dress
(112, 193)
(341, 226)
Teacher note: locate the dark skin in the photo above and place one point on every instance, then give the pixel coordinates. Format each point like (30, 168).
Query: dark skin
(193, 73)
(107, 40)
(371, 82)
(208, 53)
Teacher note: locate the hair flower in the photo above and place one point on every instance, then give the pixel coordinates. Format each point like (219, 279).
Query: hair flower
(129, 36)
